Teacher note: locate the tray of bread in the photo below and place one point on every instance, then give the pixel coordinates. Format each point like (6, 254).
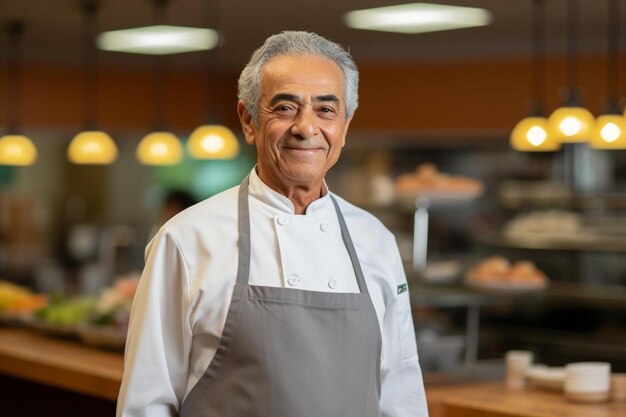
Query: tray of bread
(498, 273)
(438, 187)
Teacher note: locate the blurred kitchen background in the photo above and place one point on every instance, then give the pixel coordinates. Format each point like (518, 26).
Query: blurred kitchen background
(446, 101)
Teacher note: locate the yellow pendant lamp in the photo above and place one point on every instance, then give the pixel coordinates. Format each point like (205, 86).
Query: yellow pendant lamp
(610, 132)
(159, 147)
(534, 133)
(572, 122)
(91, 146)
(610, 128)
(15, 149)
(213, 141)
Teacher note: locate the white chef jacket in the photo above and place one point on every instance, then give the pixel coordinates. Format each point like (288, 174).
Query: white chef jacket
(183, 297)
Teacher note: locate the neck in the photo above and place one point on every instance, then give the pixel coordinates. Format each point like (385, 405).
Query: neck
(300, 195)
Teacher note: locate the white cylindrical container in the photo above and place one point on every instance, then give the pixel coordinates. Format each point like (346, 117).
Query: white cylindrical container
(517, 363)
(588, 381)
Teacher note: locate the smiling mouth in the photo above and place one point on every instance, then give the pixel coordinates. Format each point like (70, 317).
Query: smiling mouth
(288, 148)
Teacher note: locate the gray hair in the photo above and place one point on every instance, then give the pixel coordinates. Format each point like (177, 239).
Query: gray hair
(296, 43)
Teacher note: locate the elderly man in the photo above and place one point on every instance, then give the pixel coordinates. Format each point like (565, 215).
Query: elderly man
(277, 298)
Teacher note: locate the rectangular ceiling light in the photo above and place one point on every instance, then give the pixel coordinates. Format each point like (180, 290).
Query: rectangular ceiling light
(417, 18)
(158, 40)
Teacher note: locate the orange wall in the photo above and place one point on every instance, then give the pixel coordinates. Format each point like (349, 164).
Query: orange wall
(488, 94)
(481, 94)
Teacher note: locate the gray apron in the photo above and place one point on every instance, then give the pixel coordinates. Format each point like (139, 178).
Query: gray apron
(292, 353)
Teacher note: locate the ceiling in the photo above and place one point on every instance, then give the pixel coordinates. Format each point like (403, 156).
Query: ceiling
(53, 29)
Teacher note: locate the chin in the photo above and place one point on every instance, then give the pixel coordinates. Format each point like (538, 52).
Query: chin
(305, 177)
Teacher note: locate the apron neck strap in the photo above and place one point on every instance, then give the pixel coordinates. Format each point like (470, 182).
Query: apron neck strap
(347, 240)
(243, 269)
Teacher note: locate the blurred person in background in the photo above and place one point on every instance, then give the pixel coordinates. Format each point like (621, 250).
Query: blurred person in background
(277, 298)
(175, 201)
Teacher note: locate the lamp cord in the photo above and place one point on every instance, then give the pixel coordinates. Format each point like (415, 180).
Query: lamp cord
(15, 30)
(613, 33)
(572, 44)
(213, 61)
(90, 65)
(159, 72)
(538, 55)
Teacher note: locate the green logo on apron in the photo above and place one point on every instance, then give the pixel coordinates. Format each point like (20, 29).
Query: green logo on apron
(402, 288)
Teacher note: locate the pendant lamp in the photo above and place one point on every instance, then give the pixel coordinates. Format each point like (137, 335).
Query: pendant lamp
(15, 148)
(91, 146)
(212, 140)
(534, 133)
(571, 121)
(610, 128)
(159, 147)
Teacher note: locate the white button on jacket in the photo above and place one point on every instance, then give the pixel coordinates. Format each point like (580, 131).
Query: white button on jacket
(180, 307)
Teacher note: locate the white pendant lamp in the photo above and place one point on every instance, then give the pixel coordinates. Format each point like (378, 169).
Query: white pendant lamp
(91, 146)
(159, 147)
(212, 140)
(610, 127)
(15, 149)
(571, 122)
(534, 133)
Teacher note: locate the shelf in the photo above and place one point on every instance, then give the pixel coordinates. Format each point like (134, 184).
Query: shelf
(582, 344)
(564, 200)
(606, 296)
(583, 242)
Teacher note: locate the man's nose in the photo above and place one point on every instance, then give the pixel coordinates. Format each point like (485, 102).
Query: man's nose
(305, 124)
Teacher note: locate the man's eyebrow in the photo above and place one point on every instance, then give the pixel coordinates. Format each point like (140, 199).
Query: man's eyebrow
(328, 97)
(294, 98)
(284, 97)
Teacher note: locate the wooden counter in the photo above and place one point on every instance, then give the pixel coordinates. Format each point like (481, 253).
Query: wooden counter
(64, 364)
(495, 400)
(69, 365)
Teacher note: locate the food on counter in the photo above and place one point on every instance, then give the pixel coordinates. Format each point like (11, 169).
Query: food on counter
(550, 222)
(497, 271)
(16, 300)
(426, 179)
(113, 306)
(108, 322)
(65, 312)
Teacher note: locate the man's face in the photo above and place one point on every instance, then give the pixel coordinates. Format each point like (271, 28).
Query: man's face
(302, 121)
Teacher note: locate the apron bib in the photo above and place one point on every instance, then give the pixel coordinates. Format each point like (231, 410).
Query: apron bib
(292, 353)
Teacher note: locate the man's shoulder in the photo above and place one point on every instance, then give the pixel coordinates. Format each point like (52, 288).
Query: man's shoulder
(218, 209)
(360, 219)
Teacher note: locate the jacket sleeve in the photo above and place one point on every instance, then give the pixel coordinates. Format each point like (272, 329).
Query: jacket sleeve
(156, 359)
(402, 387)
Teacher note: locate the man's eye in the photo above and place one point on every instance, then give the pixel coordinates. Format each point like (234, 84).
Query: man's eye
(283, 108)
(327, 110)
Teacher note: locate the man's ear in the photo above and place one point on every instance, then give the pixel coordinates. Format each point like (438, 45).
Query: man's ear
(245, 118)
(345, 130)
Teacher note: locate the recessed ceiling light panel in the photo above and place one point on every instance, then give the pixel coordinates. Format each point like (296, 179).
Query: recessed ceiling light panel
(417, 18)
(158, 40)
